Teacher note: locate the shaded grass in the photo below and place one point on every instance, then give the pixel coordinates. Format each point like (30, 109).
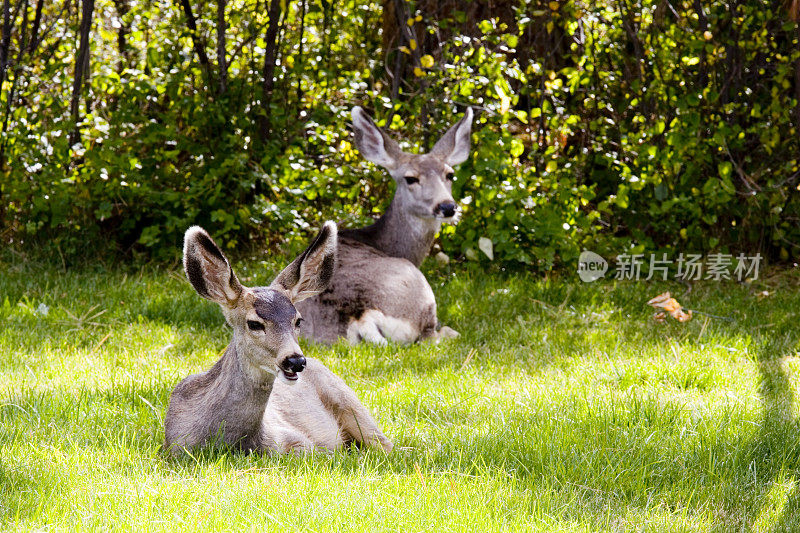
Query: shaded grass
(561, 407)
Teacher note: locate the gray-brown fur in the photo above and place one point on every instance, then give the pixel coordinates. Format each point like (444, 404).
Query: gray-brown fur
(224, 402)
(227, 403)
(318, 412)
(349, 296)
(397, 234)
(377, 272)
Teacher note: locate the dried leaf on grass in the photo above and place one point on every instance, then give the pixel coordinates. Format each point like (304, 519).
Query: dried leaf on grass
(670, 305)
(660, 317)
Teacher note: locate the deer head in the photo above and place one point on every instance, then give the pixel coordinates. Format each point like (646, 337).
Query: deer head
(424, 181)
(264, 319)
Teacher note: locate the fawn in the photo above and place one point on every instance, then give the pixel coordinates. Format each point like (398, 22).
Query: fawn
(263, 394)
(378, 292)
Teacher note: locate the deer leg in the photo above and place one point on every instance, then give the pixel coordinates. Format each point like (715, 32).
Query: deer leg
(444, 333)
(294, 442)
(365, 328)
(376, 327)
(354, 419)
(358, 423)
(447, 333)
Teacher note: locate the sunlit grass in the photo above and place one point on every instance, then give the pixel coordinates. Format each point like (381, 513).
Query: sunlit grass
(562, 406)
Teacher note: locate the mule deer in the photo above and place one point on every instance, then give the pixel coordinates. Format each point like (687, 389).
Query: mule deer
(378, 293)
(263, 393)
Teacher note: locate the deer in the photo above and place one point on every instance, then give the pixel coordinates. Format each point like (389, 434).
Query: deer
(378, 294)
(263, 394)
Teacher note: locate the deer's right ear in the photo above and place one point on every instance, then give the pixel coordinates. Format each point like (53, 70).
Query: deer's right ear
(311, 272)
(373, 143)
(208, 269)
(453, 147)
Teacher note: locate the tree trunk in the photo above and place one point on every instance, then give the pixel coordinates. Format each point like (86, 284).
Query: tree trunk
(81, 66)
(300, 58)
(408, 37)
(268, 72)
(22, 49)
(534, 40)
(221, 59)
(5, 44)
(23, 37)
(631, 31)
(797, 71)
(703, 21)
(37, 21)
(733, 59)
(122, 8)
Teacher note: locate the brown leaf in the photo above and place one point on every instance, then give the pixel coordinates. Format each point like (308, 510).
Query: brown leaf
(669, 304)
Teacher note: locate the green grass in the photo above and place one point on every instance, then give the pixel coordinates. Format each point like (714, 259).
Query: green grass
(562, 407)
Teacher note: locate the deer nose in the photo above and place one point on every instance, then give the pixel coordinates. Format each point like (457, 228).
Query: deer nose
(446, 209)
(296, 362)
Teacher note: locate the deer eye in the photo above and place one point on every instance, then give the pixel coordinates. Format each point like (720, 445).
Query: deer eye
(298, 322)
(255, 326)
(450, 176)
(411, 180)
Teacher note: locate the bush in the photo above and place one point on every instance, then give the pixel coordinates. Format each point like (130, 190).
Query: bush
(621, 127)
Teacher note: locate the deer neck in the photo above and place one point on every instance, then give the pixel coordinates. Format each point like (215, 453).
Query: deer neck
(399, 234)
(240, 394)
(255, 380)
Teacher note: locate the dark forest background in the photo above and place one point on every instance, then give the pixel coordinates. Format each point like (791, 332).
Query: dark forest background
(616, 125)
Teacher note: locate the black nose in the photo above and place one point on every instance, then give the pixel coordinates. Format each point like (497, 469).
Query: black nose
(446, 209)
(296, 362)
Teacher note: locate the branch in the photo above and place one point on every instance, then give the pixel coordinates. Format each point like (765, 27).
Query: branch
(37, 20)
(299, 56)
(81, 66)
(6, 42)
(796, 7)
(199, 48)
(221, 60)
(122, 9)
(268, 73)
(408, 35)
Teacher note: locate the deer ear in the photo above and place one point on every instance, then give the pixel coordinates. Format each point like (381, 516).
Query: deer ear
(208, 269)
(311, 272)
(372, 142)
(453, 147)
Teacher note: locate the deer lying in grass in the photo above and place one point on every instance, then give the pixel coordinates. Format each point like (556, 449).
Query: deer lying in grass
(255, 397)
(378, 293)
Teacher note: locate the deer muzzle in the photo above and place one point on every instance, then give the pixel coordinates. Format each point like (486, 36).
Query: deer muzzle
(292, 365)
(445, 210)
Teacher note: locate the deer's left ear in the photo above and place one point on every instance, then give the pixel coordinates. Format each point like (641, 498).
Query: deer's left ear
(453, 147)
(373, 143)
(208, 269)
(311, 272)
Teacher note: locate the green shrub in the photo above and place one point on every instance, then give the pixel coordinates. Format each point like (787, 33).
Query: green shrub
(611, 126)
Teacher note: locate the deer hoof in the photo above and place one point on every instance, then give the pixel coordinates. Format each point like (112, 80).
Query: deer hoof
(387, 445)
(448, 333)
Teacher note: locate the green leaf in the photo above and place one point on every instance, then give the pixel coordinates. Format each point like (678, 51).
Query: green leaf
(517, 147)
(724, 169)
